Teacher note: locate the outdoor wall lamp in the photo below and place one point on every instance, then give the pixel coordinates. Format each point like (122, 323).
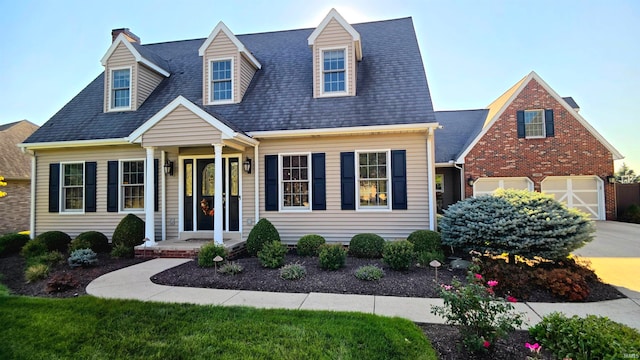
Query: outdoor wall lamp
(611, 179)
(470, 181)
(247, 166)
(168, 168)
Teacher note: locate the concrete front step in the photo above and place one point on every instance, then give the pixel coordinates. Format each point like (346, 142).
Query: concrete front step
(185, 249)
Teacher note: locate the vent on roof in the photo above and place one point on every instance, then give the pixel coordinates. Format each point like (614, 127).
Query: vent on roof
(127, 33)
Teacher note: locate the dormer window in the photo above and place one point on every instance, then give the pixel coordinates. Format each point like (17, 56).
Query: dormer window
(222, 81)
(334, 71)
(121, 89)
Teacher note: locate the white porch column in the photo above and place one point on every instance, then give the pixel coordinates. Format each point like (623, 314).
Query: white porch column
(217, 203)
(149, 185)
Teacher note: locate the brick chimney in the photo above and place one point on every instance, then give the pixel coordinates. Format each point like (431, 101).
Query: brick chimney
(128, 34)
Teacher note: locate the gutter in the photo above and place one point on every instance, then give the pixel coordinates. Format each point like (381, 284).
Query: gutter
(344, 131)
(72, 144)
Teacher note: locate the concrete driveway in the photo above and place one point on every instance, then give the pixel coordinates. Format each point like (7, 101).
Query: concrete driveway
(615, 255)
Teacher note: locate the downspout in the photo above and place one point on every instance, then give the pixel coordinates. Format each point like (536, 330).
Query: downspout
(163, 196)
(256, 184)
(462, 182)
(32, 211)
(430, 179)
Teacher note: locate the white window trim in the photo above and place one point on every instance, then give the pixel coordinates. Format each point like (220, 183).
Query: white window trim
(233, 82)
(62, 208)
(544, 125)
(110, 88)
(320, 68)
(387, 208)
(294, 209)
(121, 209)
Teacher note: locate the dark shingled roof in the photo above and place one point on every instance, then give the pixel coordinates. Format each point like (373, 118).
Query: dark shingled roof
(569, 100)
(14, 164)
(459, 128)
(391, 88)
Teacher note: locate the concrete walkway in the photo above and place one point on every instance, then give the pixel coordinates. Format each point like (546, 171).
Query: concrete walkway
(134, 283)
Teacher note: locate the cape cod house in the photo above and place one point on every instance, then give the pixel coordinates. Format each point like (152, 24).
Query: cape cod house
(326, 130)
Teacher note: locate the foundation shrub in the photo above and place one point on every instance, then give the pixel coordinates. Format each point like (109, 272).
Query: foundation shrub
(369, 273)
(55, 240)
(272, 254)
(309, 245)
(262, 232)
(295, 271)
(49, 258)
(36, 272)
(425, 257)
(425, 240)
(12, 243)
(332, 257)
(122, 251)
(96, 240)
(366, 245)
(398, 254)
(61, 282)
(564, 283)
(209, 251)
(129, 232)
(33, 248)
(83, 258)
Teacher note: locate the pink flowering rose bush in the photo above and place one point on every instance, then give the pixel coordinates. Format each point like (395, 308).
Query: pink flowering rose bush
(480, 315)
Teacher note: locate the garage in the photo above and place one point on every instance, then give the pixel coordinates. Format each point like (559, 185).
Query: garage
(486, 186)
(585, 193)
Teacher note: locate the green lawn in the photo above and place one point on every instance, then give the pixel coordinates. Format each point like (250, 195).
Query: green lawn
(91, 328)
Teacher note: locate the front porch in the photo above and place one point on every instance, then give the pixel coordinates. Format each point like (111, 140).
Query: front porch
(186, 248)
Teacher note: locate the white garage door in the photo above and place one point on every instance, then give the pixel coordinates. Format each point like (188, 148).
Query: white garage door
(585, 193)
(486, 186)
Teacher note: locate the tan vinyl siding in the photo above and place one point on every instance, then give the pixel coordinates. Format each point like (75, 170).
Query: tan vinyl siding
(246, 74)
(172, 196)
(147, 81)
(248, 216)
(334, 36)
(120, 58)
(335, 224)
(102, 221)
(181, 127)
(221, 48)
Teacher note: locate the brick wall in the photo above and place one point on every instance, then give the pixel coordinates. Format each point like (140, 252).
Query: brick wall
(573, 151)
(14, 208)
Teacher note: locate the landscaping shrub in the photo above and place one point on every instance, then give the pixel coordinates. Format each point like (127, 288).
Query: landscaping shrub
(36, 272)
(33, 248)
(563, 283)
(79, 243)
(83, 257)
(209, 251)
(294, 271)
(272, 254)
(631, 214)
(332, 257)
(366, 246)
(425, 240)
(369, 273)
(398, 254)
(513, 279)
(593, 337)
(309, 245)
(122, 251)
(48, 258)
(129, 232)
(424, 258)
(516, 222)
(61, 282)
(230, 268)
(12, 243)
(97, 241)
(262, 232)
(55, 240)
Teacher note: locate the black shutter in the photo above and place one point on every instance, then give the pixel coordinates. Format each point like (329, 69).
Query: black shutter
(348, 181)
(521, 133)
(548, 123)
(155, 185)
(54, 187)
(399, 179)
(90, 186)
(318, 182)
(112, 186)
(271, 182)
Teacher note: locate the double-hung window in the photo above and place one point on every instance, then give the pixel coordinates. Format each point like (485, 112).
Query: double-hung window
(221, 81)
(132, 185)
(333, 71)
(373, 180)
(295, 182)
(73, 187)
(534, 126)
(121, 89)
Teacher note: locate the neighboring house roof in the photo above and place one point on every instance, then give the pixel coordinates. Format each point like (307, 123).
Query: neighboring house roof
(391, 88)
(14, 164)
(459, 128)
(569, 100)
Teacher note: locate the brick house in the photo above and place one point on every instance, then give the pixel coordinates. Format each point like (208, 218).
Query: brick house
(528, 138)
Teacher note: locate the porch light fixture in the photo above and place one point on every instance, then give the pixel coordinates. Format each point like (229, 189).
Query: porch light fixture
(611, 179)
(246, 165)
(470, 181)
(168, 168)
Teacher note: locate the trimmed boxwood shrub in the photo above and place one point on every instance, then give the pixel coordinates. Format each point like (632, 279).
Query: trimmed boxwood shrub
(129, 232)
(96, 240)
(209, 251)
(425, 240)
(55, 240)
(398, 254)
(33, 248)
(12, 243)
(262, 232)
(272, 254)
(366, 246)
(332, 257)
(309, 245)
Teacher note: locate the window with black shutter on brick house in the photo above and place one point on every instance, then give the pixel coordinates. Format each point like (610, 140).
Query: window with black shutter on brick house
(532, 124)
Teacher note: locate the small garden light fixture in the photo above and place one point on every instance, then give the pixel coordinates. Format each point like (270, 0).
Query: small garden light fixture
(216, 260)
(246, 165)
(168, 168)
(435, 264)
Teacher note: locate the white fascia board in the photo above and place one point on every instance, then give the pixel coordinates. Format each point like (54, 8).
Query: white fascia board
(73, 143)
(345, 131)
(139, 58)
(241, 48)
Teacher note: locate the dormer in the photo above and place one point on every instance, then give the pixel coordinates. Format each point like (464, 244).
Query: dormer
(131, 72)
(336, 50)
(227, 67)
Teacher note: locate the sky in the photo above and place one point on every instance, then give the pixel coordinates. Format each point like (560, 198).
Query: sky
(473, 51)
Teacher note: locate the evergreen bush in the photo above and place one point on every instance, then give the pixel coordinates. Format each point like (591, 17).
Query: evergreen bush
(55, 240)
(129, 232)
(366, 246)
(209, 251)
(122, 251)
(272, 254)
(33, 248)
(12, 243)
(516, 222)
(231, 268)
(262, 232)
(398, 254)
(369, 273)
(631, 214)
(36, 272)
(83, 258)
(309, 245)
(48, 258)
(97, 241)
(424, 258)
(332, 257)
(425, 240)
(293, 271)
